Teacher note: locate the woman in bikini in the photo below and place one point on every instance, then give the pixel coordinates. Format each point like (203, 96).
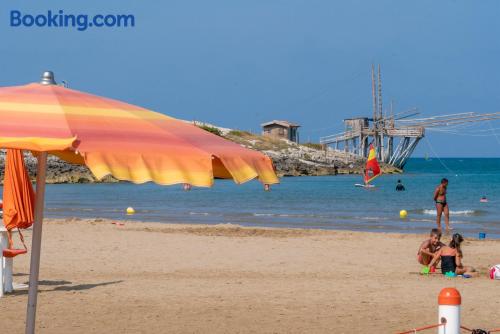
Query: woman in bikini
(451, 257)
(442, 205)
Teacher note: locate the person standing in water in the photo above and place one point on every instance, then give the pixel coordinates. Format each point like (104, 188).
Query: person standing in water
(399, 186)
(442, 204)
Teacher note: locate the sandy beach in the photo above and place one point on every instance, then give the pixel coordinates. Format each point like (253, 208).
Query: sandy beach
(97, 277)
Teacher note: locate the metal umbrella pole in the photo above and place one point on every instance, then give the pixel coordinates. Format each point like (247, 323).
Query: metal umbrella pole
(36, 243)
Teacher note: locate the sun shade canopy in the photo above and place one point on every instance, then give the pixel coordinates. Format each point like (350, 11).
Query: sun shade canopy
(125, 141)
(18, 194)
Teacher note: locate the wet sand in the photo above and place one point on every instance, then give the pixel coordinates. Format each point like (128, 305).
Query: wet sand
(97, 277)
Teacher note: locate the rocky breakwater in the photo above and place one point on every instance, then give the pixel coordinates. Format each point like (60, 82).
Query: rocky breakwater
(292, 159)
(58, 171)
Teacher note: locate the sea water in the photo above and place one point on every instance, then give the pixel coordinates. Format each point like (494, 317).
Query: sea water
(326, 202)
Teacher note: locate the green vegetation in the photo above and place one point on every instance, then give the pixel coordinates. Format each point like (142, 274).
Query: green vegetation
(257, 142)
(210, 129)
(239, 133)
(315, 146)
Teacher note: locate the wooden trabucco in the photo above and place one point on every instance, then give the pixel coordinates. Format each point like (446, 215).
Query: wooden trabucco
(394, 145)
(394, 136)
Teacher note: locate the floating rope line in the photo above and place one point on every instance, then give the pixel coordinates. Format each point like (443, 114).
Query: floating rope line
(437, 157)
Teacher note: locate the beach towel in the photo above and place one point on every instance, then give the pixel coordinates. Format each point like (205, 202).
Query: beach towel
(18, 194)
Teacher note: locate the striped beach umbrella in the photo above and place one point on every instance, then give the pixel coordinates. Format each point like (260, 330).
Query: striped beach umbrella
(114, 138)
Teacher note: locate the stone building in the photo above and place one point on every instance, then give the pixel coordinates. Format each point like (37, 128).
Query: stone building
(281, 129)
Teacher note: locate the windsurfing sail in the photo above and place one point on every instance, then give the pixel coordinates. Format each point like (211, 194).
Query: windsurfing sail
(372, 169)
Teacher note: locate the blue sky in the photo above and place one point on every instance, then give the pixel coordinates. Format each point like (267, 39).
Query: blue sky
(240, 63)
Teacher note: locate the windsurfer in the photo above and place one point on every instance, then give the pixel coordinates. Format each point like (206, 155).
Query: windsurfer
(371, 170)
(442, 204)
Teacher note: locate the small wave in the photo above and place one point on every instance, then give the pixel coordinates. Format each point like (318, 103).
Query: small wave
(452, 212)
(288, 215)
(69, 209)
(371, 218)
(199, 213)
(416, 220)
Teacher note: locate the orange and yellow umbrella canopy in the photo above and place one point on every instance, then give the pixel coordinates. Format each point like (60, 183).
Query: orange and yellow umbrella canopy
(119, 139)
(114, 138)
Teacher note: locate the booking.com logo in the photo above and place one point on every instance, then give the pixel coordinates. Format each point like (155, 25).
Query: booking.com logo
(61, 20)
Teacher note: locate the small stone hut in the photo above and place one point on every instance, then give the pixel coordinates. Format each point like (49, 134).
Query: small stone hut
(281, 129)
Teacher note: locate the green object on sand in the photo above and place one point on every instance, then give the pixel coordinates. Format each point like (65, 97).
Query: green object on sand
(450, 274)
(425, 270)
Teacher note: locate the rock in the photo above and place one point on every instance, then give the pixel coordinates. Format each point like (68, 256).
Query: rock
(58, 171)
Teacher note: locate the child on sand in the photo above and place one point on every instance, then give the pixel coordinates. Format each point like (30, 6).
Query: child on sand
(451, 257)
(429, 247)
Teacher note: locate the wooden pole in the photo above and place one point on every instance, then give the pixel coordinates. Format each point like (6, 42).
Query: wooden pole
(374, 96)
(381, 123)
(379, 86)
(36, 243)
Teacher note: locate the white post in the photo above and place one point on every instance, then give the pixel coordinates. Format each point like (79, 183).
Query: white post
(36, 243)
(8, 261)
(449, 301)
(3, 245)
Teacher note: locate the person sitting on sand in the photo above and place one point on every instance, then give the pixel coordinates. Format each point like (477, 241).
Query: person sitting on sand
(451, 257)
(442, 205)
(430, 247)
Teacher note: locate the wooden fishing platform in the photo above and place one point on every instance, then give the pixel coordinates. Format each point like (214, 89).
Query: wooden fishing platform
(394, 136)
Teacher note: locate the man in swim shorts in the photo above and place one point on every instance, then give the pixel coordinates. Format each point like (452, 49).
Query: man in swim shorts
(429, 247)
(442, 205)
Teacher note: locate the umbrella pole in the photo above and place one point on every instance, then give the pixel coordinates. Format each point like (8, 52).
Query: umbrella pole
(36, 242)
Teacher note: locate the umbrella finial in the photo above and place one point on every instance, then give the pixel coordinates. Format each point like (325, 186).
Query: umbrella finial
(48, 78)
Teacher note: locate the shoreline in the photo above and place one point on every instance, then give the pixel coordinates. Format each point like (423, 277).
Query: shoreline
(232, 229)
(141, 277)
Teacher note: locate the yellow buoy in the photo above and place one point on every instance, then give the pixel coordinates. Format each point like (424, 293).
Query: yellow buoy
(130, 210)
(403, 214)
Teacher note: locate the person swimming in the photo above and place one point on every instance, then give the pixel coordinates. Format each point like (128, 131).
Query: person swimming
(442, 204)
(399, 186)
(483, 199)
